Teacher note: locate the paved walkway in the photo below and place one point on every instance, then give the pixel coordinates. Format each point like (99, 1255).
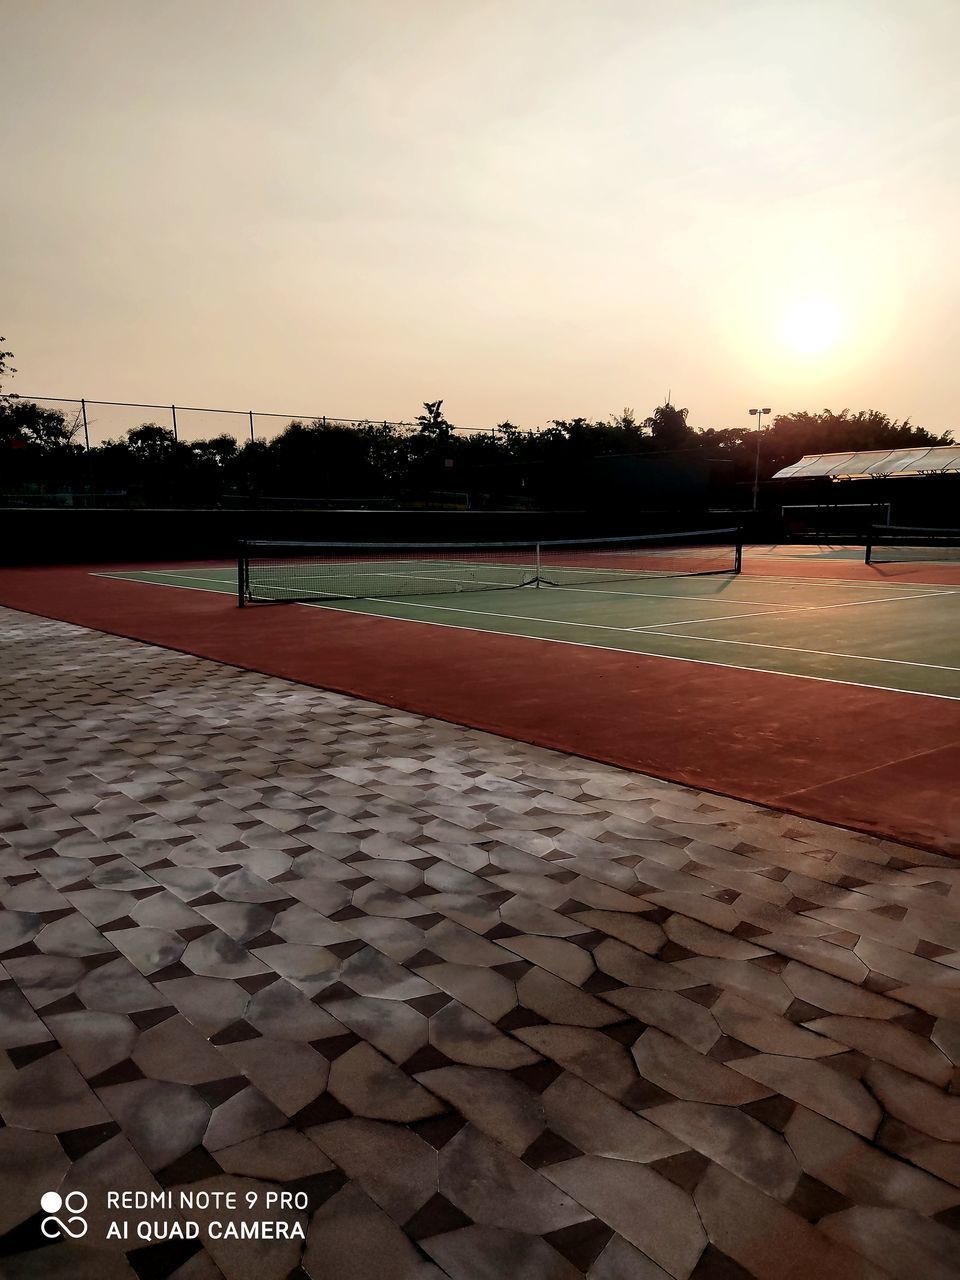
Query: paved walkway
(489, 1012)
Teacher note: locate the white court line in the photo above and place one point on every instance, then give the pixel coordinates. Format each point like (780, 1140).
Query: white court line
(595, 626)
(380, 573)
(768, 606)
(655, 628)
(789, 648)
(646, 595)
(637, 653)
(655, 595)
(138, 575)
(125, 575)
(847, 583)
(843, 583)
(934, 588)
(501, 586)
(579, 644)
(797, 608)
(430, 577)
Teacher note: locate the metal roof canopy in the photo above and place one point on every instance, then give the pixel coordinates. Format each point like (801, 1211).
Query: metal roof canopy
(936, 460)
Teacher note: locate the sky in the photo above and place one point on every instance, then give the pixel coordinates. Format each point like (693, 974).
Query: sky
(532, 209)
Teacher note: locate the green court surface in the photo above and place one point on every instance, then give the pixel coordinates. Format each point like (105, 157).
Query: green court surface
(899, 637)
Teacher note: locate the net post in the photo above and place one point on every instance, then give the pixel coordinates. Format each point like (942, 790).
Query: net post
(538, 569)
(242, 575)
(869, 549)
(738, 552)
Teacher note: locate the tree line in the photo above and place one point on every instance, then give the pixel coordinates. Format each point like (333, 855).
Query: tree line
(325, 459)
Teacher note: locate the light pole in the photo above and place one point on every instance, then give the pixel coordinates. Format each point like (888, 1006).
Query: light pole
(756, 470)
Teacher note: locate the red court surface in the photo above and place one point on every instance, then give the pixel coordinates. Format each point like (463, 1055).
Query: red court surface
(871, 759)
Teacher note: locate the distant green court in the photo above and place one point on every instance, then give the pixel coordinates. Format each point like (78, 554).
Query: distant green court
(900, 637)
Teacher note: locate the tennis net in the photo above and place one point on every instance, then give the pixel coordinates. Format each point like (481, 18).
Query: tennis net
(901, 544)
(287, 572)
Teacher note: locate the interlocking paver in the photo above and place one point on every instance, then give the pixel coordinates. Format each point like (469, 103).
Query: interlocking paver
(498, 1011)
(864, 1174)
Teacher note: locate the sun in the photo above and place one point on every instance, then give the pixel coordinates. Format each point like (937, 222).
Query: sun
(812, 325)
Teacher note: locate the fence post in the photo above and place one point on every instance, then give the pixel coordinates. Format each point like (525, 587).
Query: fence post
(173, 411)
(86, 429)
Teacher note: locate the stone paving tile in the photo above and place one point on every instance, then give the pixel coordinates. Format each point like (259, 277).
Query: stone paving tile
(942, 1159)
(826, 1089)
(280, 1155)
(771, 1032)
(835, 995)
(290, 1075)
(620, 1259)
(351, 1238)
(756, 983)
(50, 1096)
(734, 1140)
(246, 1259)
(488, 1253)
(210, 1004)
(902, 1243)
(495, 1011)
(596, 1125)
(591, 1055)
(395, 1167)
(907, 1098)
(767, 1240)
(946, 1036)
(672, 1012)
(649, 1211)
(368, 1085)
(681, 1071)
(502, 1107)
(395, 1028)
(163, 1121)
(861, 1172)
(31, 1163)
(493, 1187)
(95, 1042)
(888, 1042)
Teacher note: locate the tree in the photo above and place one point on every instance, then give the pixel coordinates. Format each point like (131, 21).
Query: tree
(319, 459)
(150, 443)
(668, 426)
(219, 450)
(626, 420)
(6, 369)
(432, 423)
(28, 424)
(388, 452)
(795, 434)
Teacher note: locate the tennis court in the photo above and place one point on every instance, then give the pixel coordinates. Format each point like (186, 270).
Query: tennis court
(809, 681)
(692, 608)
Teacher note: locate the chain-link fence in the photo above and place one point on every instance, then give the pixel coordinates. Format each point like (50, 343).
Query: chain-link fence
(98, 420)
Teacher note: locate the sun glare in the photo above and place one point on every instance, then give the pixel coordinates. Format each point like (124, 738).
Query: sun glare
(811, 326)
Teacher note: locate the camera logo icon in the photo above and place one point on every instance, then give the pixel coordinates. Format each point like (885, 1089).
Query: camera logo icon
(75, 1204)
